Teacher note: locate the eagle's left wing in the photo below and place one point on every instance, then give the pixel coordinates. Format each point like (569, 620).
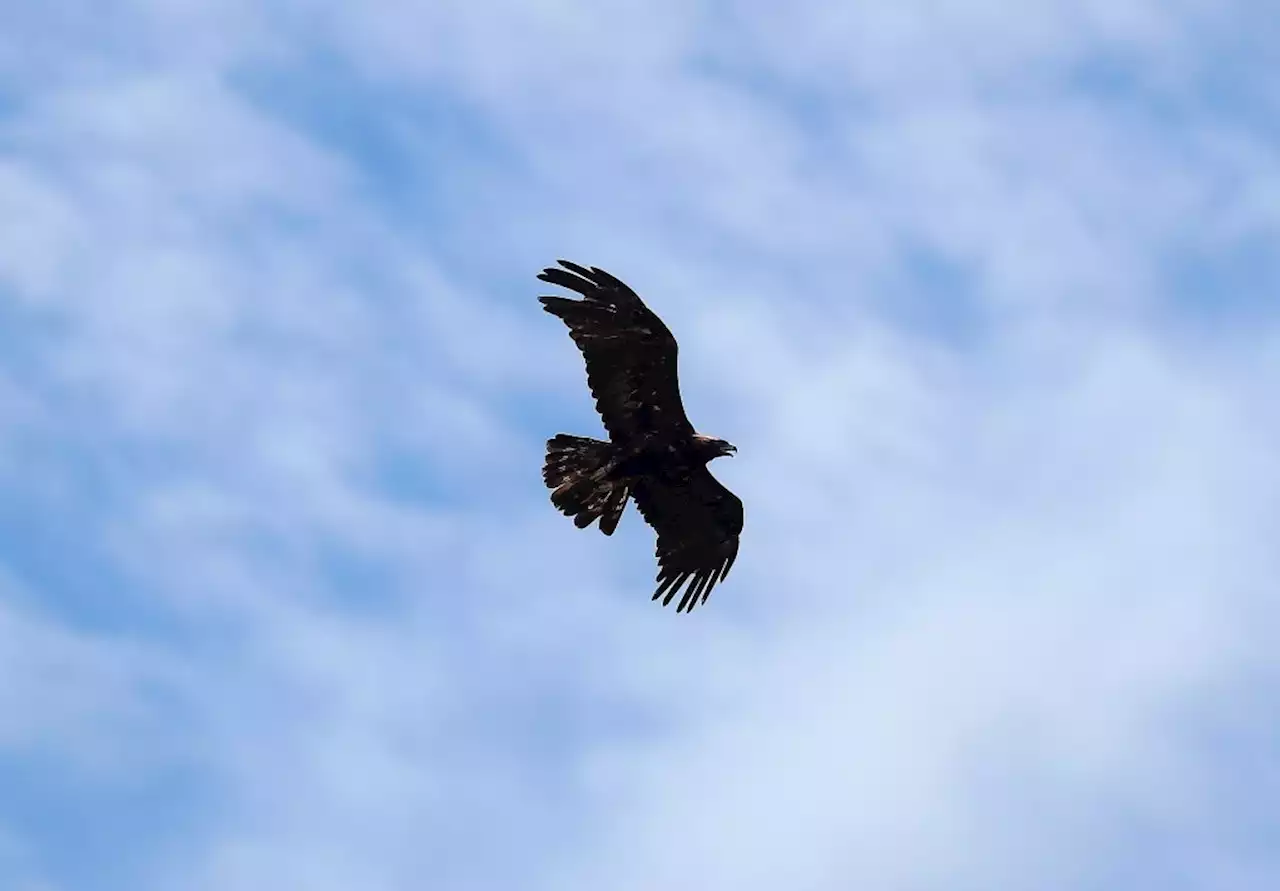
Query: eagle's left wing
(698, 523)
(630, 354)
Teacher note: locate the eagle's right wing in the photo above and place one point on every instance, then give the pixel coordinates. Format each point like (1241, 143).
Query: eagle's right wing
(698, 524)
(630, 354)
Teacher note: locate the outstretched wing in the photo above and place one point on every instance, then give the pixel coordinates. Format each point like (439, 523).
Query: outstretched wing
(630, 354)
(698, 523)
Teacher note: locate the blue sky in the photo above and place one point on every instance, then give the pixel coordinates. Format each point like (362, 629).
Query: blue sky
(985, 294)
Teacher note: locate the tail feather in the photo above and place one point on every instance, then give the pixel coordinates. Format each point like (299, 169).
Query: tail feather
(577, 473)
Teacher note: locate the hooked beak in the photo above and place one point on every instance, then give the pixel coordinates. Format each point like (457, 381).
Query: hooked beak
(730, 449)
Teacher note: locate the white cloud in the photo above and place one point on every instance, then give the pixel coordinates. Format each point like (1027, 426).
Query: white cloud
(1072, 587)
(993, 583)
(75, 696)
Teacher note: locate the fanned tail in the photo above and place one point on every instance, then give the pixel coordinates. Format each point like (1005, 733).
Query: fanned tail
(577, 473)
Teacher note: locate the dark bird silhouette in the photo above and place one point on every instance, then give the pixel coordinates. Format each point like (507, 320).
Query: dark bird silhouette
(653, 454)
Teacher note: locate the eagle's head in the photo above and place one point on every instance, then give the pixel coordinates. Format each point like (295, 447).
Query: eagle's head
(713, 447)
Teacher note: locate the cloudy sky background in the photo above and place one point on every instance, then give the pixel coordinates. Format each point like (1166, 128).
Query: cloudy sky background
(986, 294)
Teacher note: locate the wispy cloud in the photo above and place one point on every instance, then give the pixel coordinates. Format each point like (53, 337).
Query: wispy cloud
(975, 289)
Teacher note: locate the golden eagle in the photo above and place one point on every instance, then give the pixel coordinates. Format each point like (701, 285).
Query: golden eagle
(653, 454)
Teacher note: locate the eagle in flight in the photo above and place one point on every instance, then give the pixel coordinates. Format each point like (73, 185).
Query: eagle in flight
(653, 454)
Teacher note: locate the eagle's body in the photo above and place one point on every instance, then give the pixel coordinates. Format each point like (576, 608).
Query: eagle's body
(653, 455)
